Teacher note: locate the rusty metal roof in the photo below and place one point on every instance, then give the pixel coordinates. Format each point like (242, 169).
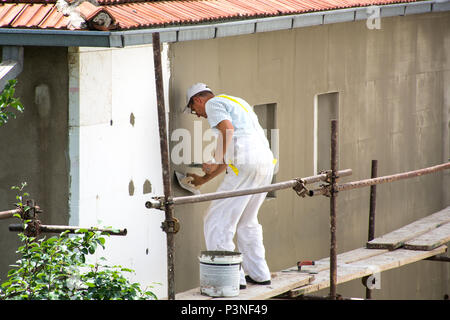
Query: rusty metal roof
(135, 14)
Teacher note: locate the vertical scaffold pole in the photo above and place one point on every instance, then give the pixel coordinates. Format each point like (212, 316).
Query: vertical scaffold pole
(373, 201)
(165, 161)
(333, 195)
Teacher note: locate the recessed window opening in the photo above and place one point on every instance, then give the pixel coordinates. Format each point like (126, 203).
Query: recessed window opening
(267, 116)
(326, 108)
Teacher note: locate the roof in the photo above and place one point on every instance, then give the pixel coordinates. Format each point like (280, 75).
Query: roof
(138, 14)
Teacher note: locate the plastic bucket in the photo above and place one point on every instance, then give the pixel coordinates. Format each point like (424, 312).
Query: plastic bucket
(219, 273)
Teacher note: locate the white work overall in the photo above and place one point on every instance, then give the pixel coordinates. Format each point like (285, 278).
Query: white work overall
(255, 164)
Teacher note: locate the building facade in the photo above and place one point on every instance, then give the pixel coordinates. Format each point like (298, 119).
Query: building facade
(88, 143)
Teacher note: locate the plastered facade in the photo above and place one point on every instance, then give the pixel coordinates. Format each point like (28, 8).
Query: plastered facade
(94, 159)
(393, 86)
(91, 156)
(34, 146)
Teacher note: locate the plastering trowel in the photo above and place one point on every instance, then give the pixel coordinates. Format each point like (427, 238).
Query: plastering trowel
(185, 182)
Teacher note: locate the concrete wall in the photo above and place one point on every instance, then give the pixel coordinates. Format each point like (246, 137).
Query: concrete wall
(115, 163)
(34, 146)
(393, 86)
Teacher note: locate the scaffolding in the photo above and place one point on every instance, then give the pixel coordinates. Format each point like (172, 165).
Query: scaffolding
(331, 188)
(33, 227)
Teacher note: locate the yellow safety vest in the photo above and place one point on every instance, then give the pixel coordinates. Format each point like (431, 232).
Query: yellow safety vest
(233, 167)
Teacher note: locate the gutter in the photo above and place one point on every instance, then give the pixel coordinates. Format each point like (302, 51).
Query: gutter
(60, 38)
(11, 65)
(119, 39)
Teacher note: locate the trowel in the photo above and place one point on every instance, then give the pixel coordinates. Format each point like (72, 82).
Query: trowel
(185, 182)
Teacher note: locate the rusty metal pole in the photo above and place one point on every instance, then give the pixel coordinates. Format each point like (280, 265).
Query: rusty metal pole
(394, 177)
(156, 204)
(333, 195)
(373, 200)
(169, 224)
(9, 213)
(385, 179)
(43, 228)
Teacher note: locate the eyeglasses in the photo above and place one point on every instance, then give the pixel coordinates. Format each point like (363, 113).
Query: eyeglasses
(190, 107)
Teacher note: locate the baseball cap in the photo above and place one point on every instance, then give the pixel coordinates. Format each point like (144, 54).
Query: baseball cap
(192, 91)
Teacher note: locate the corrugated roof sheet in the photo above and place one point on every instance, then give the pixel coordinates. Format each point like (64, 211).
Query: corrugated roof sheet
(132, 14)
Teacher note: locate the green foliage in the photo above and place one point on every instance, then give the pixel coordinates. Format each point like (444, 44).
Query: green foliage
(8, 102)
(20, 196)
(56, 269)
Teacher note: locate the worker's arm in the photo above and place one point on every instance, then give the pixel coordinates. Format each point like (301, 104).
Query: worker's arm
(212, 170)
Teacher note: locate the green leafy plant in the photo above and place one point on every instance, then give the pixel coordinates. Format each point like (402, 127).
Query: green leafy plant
(8, 102)
(20, 197)
(56, 269)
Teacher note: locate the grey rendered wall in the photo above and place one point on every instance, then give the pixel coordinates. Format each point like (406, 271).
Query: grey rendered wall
(34, 146)
(393, 86)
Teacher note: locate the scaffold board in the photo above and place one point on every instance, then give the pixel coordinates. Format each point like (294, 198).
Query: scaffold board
(399, 237)
(421, 239)
(281, 282)
(365, 267)
(431, 239)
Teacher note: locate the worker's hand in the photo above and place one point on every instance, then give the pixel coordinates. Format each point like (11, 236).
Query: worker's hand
(198, 180)
(209, 168)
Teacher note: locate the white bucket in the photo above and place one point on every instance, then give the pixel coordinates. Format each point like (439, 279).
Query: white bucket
(219, 273)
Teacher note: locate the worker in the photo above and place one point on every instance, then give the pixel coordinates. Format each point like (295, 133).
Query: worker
(243, 152)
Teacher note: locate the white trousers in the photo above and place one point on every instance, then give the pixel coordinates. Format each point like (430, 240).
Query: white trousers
(239, 215)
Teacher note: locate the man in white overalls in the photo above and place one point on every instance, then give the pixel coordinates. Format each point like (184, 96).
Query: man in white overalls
(242, 150)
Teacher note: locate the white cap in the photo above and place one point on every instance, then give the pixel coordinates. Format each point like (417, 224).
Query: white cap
(192, 91)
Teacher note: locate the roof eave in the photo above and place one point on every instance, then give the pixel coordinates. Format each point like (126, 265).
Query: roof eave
(59, 38)
(84, 38)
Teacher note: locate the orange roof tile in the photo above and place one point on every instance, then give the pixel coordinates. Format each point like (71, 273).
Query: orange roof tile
(8, 12)
(30, 14)
(132, 14)
(54, 20)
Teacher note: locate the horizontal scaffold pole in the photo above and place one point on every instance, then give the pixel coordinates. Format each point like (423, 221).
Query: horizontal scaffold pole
(158, 204)
(19, 210)
(71, 229)
(384, 179)
(9, 213)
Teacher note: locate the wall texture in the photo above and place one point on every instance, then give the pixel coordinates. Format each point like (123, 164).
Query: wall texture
(34, 146)
(114, 155)
(92, 153)
(89, 151)
(393, 86)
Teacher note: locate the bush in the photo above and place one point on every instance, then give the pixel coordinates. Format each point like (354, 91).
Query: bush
(7, 101)
(56, 269)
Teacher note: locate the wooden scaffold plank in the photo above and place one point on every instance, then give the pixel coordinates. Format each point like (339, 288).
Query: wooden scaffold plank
(345, 257)
(398, 258)
(290, 278)
(431, 239)
(281, 282)
(366, 267)
(399, 237)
